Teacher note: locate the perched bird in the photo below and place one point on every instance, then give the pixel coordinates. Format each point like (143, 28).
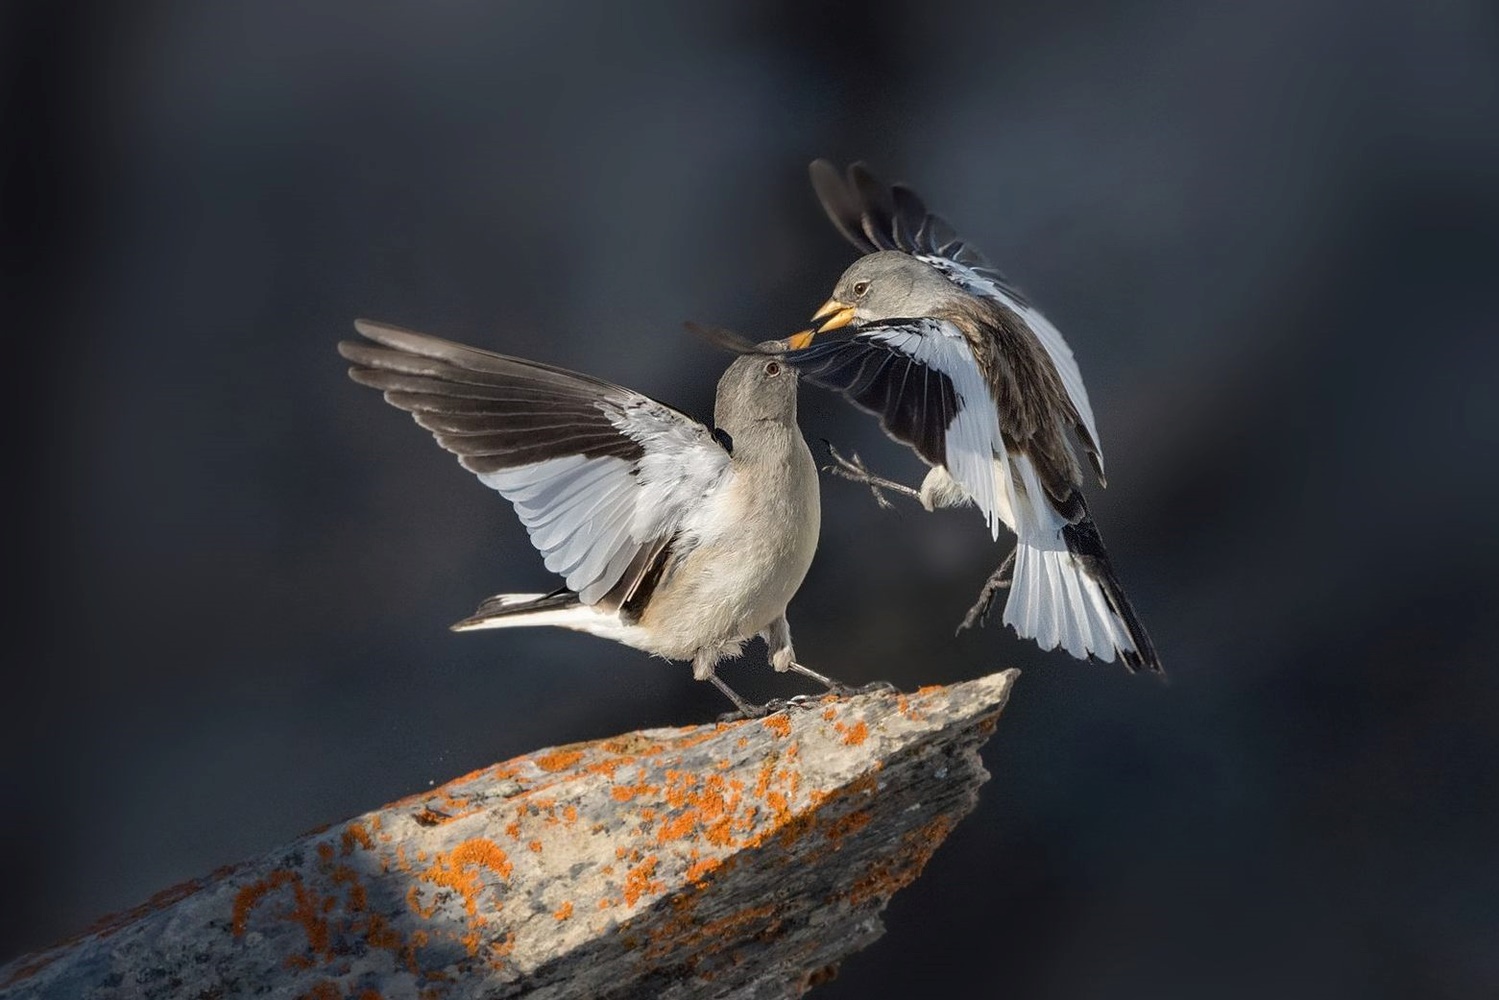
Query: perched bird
(961, 368)
(673, 538)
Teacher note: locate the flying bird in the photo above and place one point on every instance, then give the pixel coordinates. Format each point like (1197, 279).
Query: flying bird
(671, 537)
(960, 367)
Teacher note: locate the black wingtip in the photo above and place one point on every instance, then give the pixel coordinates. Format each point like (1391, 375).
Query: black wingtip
(840, 203)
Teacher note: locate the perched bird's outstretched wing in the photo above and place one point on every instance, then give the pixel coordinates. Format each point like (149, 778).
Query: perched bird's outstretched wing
(875, 216)
(602, 477)
(920, 378)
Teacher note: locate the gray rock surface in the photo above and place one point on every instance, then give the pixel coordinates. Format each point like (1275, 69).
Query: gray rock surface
(741, 859)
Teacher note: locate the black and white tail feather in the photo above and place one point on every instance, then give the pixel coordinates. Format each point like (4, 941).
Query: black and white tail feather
(559, 608)
(956, 388)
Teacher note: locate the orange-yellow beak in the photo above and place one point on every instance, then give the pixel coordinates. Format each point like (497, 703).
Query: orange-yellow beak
(799, 340)
(832, 315)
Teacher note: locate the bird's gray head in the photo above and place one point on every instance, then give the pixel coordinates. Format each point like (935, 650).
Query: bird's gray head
(884, 285)
(756, 389)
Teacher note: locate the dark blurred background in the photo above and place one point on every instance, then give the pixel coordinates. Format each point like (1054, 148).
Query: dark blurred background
(1269, 230)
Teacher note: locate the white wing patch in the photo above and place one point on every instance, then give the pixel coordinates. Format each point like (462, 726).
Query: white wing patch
(976, 283)
(682, 464)
(589, 517)
(976, 455)
(575, 509)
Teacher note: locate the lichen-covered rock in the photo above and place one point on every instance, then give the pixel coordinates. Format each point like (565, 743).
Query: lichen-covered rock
(739, 859)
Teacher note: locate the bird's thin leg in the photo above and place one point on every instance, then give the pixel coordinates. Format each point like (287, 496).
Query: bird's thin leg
(834, 686)
(998, 580)
(746, 710)
(777, 636)
(855, 471)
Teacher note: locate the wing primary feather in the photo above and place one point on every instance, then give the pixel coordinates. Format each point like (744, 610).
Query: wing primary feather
(839, 204)
(571, 452)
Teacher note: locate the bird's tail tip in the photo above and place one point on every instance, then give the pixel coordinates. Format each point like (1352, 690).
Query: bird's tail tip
(506, 610)
(1070, 597)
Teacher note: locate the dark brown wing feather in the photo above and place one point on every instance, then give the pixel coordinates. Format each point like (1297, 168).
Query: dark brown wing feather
(492, 411)
(1033, 407)
(873, 215)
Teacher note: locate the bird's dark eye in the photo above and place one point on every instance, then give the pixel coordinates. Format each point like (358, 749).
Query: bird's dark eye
(772, 368)
(860, 287)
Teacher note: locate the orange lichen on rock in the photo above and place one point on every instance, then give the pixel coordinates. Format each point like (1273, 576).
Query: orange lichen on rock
(847, 825)
(558, 760)
(682, 934)
(501, 949)
(638, 881)
(697, 873)
(461, 870)
(693, 735)
(720, 857)
(608, 765)
(353, 834)
(247, 898)
(889, 875)
(308, 911)
(510, 770)
(344, 875)
(710, 809)
(624, 793)
(778, 724)
(378, 933)
(636, 744)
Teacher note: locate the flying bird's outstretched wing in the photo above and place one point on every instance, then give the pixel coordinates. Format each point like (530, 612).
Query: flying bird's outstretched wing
(982, 386)
(920, 378)
(875, 216)
(602, 477)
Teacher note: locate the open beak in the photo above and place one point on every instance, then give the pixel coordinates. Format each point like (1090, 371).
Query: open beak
(832, 315)
(799, 340)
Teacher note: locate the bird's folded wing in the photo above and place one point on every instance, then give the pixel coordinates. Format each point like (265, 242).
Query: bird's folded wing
(875, 216)
(920, 378)
(601, 476)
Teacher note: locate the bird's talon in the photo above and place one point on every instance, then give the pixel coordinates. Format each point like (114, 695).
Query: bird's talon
(841, 690)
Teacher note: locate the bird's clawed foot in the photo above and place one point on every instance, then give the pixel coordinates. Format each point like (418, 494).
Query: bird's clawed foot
(800, 702)
(855, 471)
(998, 580)
(743, 709)
(849, 690)
(838, 688)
